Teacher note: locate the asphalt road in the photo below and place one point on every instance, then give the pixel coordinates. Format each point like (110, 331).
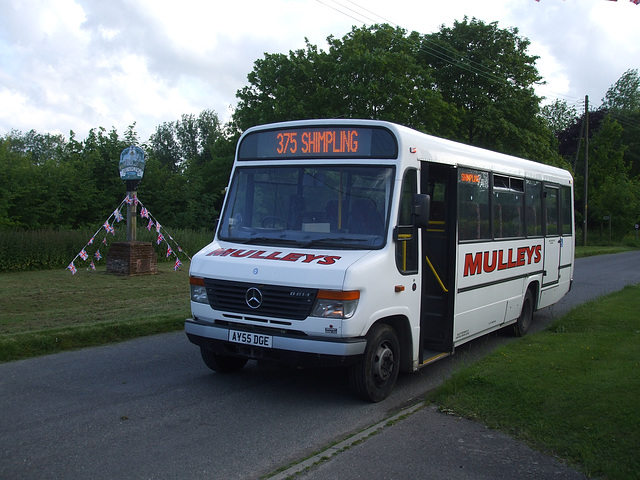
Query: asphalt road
(150, 408)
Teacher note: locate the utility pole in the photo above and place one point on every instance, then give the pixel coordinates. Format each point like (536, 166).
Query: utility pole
(586, 166)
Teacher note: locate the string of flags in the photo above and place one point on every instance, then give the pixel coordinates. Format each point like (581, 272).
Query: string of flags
(109, 228)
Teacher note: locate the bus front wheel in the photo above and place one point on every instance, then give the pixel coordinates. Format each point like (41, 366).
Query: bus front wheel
(521, 327)
(222, 363)
(374, 376)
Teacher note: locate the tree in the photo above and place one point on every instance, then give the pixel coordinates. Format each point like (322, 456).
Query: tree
(622, 100)
(183, 185)
(558, 115)
(488, 75)
(372, 72)
(624, 95)
(611, 191)
(175, 144)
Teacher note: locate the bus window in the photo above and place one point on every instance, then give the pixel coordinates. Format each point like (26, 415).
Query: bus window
(508, 207)
(567, 222)
(407, 238)
(551, 208)
(473, 201)
(533, 208)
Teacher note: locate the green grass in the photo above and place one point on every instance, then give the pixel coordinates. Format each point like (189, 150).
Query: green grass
(50, 311)
(571, 391)
(590, 251)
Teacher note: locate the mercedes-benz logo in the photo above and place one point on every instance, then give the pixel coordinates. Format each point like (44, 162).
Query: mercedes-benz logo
(253, 297)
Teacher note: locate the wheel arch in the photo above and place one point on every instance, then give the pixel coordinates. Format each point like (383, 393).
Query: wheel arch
(402, 327)
(534, 286)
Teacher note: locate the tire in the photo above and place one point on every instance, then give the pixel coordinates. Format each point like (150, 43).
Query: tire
(522, 325)
(373, 378)
(222, 363)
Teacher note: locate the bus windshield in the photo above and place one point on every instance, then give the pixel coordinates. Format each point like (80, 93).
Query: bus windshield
(315, 207)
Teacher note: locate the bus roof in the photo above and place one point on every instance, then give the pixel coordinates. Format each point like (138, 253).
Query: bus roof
(429, 148)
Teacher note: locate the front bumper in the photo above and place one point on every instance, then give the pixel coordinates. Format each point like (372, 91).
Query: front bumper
(296, 351)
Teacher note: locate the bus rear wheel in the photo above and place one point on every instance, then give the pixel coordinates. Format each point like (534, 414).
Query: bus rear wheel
(373, 378)
(522, 325)
(222, 363)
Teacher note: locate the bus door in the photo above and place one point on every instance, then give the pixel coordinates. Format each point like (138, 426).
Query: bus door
(553, 239)
(438, 262)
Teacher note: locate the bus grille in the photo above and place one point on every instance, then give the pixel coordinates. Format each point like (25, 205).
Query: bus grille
(292, 303)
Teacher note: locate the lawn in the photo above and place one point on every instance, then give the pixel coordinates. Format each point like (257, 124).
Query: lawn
(571, 391)
(52, 310)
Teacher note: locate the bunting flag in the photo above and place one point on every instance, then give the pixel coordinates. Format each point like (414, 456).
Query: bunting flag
(108, 228)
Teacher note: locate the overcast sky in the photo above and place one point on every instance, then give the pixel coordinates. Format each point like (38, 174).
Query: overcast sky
(81, 64)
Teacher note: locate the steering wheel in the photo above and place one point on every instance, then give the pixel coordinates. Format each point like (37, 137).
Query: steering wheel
(272, 221)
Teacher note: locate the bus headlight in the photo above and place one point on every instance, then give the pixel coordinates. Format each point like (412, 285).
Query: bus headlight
(335, 304)
(198, 290)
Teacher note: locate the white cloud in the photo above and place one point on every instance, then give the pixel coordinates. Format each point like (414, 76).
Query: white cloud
(81, 64)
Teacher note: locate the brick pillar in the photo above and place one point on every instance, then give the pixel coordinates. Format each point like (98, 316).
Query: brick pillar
(132, 258)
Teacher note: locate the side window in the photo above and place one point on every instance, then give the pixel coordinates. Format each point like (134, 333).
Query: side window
(567, 210)
(551, 211)
(508, 207)
(473, 201)
(406, 233)
(533, 208)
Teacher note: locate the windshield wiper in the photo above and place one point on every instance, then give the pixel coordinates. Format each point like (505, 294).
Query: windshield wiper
(268, 240)
(335, 241)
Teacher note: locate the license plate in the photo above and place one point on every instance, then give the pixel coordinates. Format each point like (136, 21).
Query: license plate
(247, 338)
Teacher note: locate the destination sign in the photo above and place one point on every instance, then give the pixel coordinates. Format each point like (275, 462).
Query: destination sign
(319, 142)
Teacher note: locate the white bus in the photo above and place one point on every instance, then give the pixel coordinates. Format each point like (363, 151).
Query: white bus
(372, 246)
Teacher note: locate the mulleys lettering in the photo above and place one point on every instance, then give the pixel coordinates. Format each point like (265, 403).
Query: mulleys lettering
(283, 257)
(496, 260)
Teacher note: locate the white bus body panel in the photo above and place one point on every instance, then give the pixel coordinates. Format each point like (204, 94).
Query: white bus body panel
(485, 298)
(372, 273)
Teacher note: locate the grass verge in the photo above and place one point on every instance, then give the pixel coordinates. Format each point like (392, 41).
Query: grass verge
(590, 251)
(50, 311)
(572, 390)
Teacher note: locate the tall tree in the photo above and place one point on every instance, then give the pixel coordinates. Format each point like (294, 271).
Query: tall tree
(183, 185)
(487, 73)
(624, 95)
(558, 115)
(175, 144)
(372, 72)
(622, 100)
(611, 191)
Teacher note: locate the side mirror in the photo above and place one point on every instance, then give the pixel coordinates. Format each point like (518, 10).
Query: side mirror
(421, 207)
